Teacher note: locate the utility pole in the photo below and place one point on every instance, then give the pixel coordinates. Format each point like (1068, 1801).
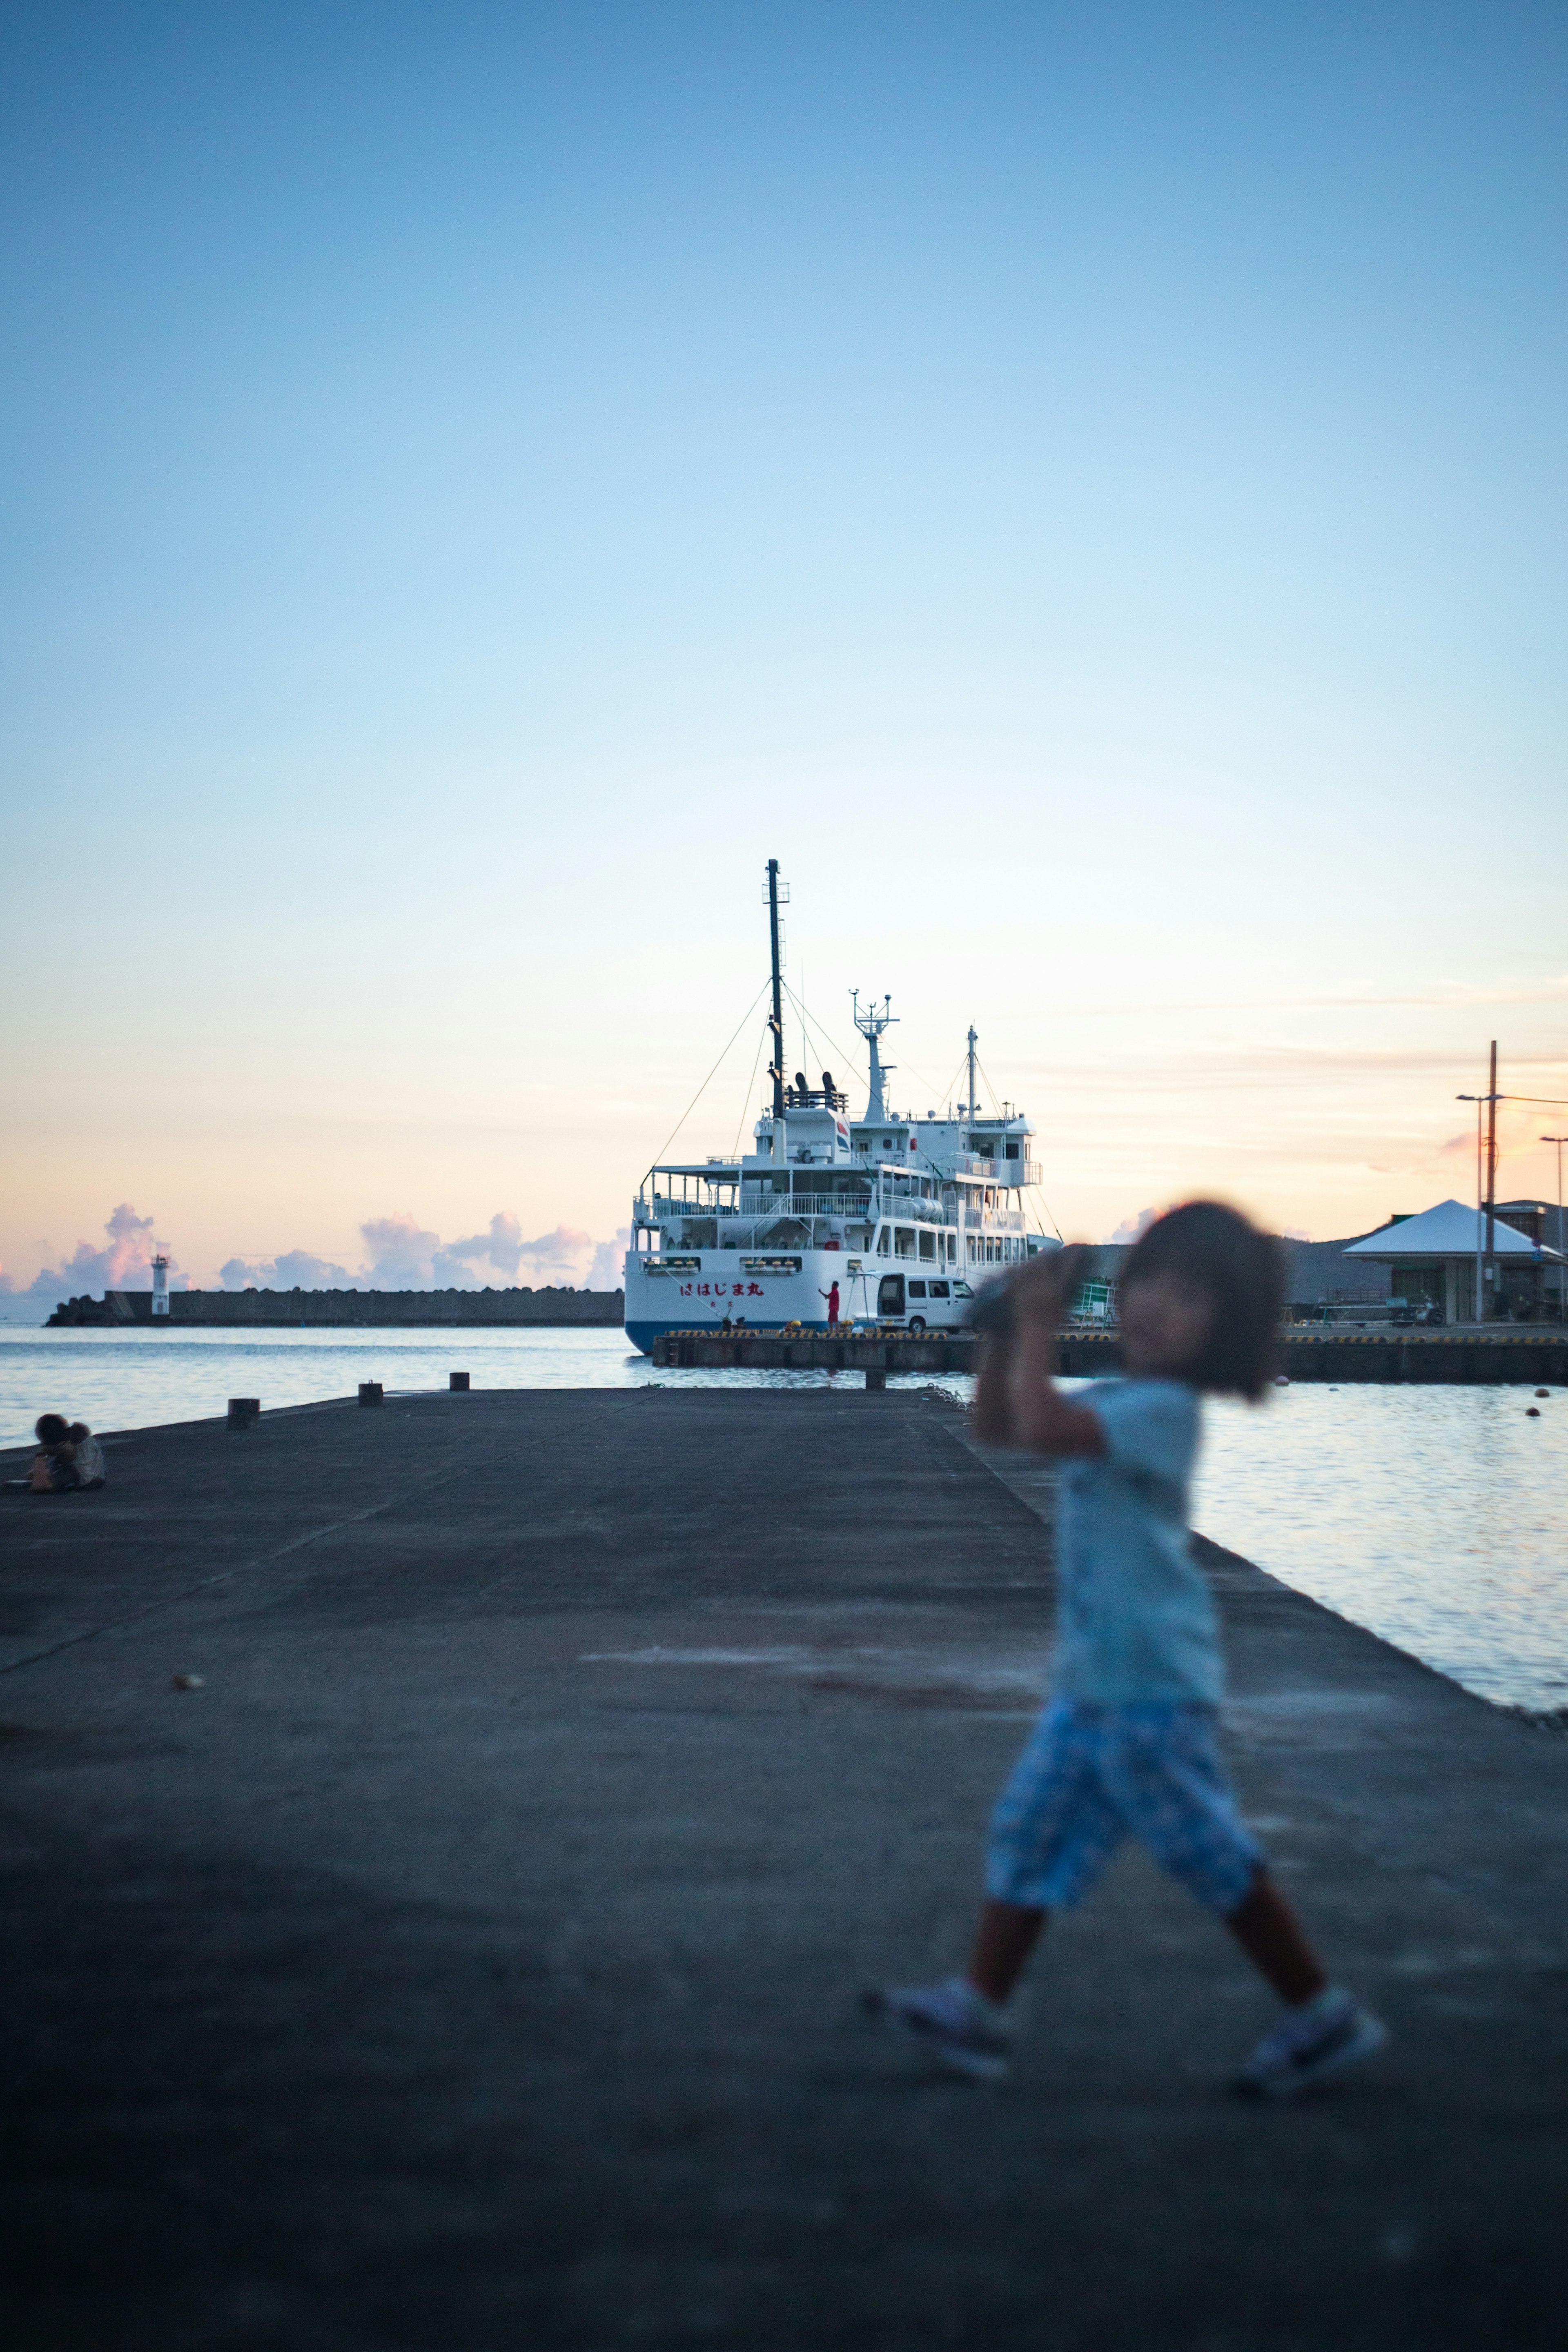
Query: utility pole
(1491, 1173)
(1562, 1271)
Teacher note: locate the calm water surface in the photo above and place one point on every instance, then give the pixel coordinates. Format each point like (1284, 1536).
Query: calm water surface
(1436, 1517)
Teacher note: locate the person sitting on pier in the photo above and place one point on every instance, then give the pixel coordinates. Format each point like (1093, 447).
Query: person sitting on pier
(69, 1457)
(1127, 1745)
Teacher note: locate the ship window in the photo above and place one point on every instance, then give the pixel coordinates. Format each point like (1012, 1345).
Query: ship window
(1012, 1146)
(903, 1241)
(928, 1244)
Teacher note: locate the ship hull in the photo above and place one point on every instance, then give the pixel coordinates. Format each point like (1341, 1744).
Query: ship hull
(708, 1284)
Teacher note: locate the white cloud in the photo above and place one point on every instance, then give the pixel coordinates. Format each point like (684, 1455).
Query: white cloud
(294, 1270)
(401, 1255)
(125, 1264)
(1131, 1227)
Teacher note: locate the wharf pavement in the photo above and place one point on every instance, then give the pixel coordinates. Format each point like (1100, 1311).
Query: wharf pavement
(1453, 1359)
(471, 1959)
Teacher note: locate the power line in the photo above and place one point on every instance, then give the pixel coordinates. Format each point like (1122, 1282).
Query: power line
(750, 1082)
(842, 1053)
(990, 1088)
(702, 1090)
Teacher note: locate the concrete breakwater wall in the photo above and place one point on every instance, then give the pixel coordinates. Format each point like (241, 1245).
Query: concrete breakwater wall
(235, 1310)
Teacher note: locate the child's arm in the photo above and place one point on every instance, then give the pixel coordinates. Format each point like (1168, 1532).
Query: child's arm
(1017, 1400)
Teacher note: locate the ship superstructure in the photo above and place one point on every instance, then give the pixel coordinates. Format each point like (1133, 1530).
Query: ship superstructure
(902, 1216)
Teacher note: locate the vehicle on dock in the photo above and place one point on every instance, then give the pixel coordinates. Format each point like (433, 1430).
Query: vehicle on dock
(903, 1217)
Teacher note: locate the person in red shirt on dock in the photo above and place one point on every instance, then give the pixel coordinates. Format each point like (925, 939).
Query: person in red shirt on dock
(831, 1295)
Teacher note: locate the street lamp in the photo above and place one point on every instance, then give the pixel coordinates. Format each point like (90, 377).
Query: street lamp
(1558, 1140)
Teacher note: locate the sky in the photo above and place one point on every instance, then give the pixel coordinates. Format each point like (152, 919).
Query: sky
(1083, 488)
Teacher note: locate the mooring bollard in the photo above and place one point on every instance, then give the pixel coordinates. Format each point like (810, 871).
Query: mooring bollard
(370, 1393)
(457, 1380)
(243, 1412)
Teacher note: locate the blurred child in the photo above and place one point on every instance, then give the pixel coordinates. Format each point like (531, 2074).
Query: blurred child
(1127, 1744)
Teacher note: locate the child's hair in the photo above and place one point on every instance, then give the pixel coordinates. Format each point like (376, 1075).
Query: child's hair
(51, 1429)
(77, 1431)
(1243, 1270)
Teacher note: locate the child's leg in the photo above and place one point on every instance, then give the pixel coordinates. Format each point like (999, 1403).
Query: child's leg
(1004, 1941)
(1275, 1942)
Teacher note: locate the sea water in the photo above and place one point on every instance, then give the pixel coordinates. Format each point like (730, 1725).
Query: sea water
(1436, 1517)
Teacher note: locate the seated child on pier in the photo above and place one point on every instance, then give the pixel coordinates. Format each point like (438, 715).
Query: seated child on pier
(68, 1456)
(1127, 1744)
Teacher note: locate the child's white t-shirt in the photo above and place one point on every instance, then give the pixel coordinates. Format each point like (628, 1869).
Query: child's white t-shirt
(1135, 1620)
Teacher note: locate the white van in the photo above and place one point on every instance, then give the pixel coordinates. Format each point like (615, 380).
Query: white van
(923, 1302)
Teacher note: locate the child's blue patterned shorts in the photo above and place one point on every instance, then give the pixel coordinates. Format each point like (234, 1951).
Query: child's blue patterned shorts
(1092, 1776)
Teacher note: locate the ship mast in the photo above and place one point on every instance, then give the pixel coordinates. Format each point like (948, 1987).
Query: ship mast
(871, 1024)
(971, 1106)
(775, 1068)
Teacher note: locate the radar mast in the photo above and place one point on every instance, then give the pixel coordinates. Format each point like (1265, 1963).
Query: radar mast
(871, 1024)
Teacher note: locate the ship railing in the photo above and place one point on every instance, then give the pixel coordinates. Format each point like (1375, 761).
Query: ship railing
(751, 1205)
(863, 1209)
(858, 1207)
(892, 1208)
(995, 1172)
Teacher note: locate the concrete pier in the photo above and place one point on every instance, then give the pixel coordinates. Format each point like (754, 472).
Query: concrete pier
(1450, 1359)
(442, 1847)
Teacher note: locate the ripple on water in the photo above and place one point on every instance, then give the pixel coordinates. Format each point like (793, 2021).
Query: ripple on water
(1436, 1517)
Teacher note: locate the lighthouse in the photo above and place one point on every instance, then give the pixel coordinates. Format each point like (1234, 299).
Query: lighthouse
(159, 1284)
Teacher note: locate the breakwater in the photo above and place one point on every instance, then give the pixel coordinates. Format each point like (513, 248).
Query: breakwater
(1455, 1358)
(446, 1309)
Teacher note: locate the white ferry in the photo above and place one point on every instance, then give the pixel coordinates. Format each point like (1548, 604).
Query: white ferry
(901, 1217)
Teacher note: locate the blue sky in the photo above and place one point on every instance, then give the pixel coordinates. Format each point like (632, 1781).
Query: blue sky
(1084, 489)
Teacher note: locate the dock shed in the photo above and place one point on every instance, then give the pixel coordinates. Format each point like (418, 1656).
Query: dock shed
(1432, 1258)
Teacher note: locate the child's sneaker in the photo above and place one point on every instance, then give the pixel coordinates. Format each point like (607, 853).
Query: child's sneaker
(952, 2022)
(1321, 2038)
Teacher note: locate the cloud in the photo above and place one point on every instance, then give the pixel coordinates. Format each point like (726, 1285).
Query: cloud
(607, 1271)
(294, 1270)
(405, 1256)
(501, 1249)
(1131, 1227)
(400, 1255)
(125, 1264)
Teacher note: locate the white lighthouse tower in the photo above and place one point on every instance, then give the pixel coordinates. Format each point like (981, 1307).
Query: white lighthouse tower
(159, 1284)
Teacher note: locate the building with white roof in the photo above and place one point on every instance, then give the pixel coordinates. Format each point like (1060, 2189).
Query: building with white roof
(1434, 1258)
